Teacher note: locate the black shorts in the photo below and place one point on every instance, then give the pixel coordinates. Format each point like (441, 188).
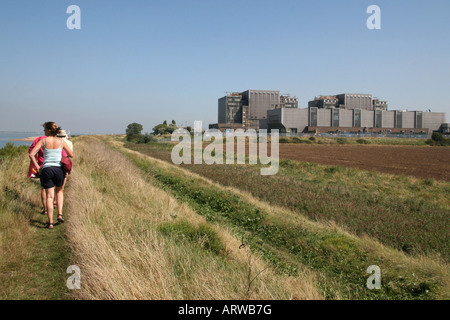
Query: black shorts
(52, 177)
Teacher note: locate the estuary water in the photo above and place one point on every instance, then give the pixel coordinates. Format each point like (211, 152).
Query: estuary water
(6, 136)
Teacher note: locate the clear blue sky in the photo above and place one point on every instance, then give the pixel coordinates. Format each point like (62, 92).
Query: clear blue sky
(154, 60)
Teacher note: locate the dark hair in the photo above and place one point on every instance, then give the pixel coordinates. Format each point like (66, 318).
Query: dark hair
(51, 127)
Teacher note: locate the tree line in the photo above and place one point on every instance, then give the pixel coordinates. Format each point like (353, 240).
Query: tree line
(134, 131)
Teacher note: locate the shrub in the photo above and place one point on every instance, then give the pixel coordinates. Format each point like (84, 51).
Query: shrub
(312, 139)
(145, 138)
(342, 140)
(436, 136)
(363, 141)
(284, 140)
(10, 150)
(437, 139)
(202, 235)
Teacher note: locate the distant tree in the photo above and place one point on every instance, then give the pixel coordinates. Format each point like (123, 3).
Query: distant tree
(145, 138)
(163, 128)
(133, 131)
(437, 139)
(172, 127)
(160, 129)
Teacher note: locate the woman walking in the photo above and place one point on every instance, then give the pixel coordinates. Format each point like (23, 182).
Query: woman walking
(52, 174)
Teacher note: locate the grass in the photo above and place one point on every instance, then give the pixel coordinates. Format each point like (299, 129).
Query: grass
(202, 235)
(33, 259)
(406, 213)
(289, 242)
(142, 228)
(133, 240)
(355, 140)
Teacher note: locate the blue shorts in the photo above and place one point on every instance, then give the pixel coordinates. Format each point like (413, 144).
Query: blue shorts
(52, 177)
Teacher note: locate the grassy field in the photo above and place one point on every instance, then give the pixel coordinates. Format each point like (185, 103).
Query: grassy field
(409, 214)
(33, 261)
(352, 140)
(316, 139)
(133, 240)
(290, 242)
(141, 228)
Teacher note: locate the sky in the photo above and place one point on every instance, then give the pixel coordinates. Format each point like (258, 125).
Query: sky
(155, 60)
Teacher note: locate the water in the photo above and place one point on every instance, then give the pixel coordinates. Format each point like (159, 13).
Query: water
(5, 137)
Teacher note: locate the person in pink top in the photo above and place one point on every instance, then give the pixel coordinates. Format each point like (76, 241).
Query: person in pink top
(31, 174)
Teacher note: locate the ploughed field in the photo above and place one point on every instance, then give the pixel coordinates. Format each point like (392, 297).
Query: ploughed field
(417, 161)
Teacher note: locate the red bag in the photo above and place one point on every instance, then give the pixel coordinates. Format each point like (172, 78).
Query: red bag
(66, 164)
(32, 173)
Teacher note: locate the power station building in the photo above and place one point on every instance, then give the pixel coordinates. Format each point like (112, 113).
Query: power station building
(321, 120)
(347, 112)
(248, 109)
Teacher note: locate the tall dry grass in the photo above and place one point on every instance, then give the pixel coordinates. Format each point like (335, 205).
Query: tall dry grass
(16, 234)
(421, 267)
(113, 217)
(33, 259)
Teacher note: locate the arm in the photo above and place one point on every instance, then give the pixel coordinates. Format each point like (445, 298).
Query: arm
(33, 153)
(67, 149)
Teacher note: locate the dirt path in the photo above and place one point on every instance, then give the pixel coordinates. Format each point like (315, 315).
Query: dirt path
(417, 161)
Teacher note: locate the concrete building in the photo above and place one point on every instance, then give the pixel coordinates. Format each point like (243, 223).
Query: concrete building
(344, 101)
(347, 112)
(355, 101)
(356, 120)
(288, 120)
(445, 128)
(230, 108)
(287, 101)
(349, 101)
(258, 103)
(325, 102)
(248, 109)
(379, 104)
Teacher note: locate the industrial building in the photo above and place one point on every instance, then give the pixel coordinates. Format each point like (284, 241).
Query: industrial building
(248, 109)
(349, 101)
(347, 112)
(320, 120)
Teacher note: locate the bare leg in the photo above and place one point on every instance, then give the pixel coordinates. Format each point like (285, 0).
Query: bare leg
(50, 196)
(59, 199)
(44, 201)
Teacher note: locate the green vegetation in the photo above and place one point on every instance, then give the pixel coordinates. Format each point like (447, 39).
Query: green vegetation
(202, 235)
(363, 141)
(287, 244)
(34, 259)
(134, 134)
(135, 241)
(437, 139)
(11, 151)
(164, 128)
(180, 240)
(342, 141)
(367, 140)
(405, 213)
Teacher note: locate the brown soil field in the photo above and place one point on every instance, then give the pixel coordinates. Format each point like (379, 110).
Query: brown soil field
(417, 161)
